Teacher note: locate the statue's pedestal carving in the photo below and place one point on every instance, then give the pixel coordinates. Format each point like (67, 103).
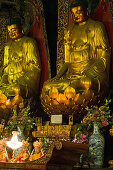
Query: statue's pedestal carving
(54, 132)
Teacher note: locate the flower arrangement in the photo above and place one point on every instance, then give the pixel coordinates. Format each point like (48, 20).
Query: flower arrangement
(81, 139)
(87, 159)
(21, 118)
(100, 115)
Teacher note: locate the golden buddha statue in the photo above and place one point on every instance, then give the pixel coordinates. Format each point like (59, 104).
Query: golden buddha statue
(22, 66)
(87, 55)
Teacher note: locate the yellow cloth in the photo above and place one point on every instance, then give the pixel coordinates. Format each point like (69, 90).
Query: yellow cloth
(35, 156)
(22, 157)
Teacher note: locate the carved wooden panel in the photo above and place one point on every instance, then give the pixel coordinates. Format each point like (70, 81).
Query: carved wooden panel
(3, 36)
(63, 11)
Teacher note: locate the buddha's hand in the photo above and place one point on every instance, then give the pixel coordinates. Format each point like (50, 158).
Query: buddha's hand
(95, 69)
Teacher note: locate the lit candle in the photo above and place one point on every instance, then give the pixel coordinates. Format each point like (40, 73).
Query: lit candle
(14, 143)
(8, 102)
(61, 98)
(70, 92)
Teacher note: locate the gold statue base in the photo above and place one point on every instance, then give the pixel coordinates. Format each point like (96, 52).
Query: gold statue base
(53, 132)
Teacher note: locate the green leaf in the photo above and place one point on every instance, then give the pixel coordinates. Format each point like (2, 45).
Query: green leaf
(14, 112)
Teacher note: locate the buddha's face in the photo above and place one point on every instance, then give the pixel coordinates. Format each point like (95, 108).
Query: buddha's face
(13, 31)
(24, 149)
(37, 149)
(78, 14)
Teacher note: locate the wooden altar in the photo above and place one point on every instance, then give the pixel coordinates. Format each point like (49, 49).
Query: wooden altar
(59, 154)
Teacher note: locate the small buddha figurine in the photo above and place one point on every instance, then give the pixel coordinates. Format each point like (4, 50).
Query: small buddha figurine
(38, 151)
(24, 155)
(4, 157)
(87, 55)
(22, 65)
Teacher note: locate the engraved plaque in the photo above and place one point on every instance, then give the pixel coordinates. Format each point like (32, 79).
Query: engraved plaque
(56, 119)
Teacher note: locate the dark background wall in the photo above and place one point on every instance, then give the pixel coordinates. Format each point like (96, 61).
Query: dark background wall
(51, 19)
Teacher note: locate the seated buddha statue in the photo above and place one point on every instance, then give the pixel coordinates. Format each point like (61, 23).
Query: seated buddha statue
(87, 54)
(22, 66)
(4, 156)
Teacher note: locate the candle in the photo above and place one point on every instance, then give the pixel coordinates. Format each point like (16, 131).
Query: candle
(8, 102)
(70, 92)
(61, 98)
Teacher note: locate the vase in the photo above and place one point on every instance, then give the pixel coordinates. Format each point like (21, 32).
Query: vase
(96, 147)
(21, 134)
(20, 138)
